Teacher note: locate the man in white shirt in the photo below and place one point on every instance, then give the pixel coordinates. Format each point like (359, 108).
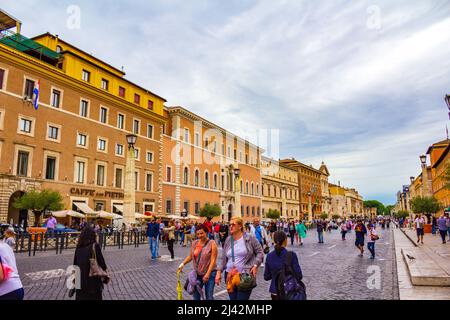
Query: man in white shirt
(11, 288)
(261, 235)
(419, 225)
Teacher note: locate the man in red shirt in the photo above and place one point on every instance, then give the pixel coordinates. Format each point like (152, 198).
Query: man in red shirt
(208, 225)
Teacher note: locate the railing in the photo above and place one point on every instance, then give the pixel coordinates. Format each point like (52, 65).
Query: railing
(31, 243)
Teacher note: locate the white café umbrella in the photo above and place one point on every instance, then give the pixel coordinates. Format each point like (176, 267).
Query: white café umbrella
(107, 215)
(67, 213)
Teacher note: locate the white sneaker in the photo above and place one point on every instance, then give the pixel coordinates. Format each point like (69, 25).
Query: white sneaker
(262, 265)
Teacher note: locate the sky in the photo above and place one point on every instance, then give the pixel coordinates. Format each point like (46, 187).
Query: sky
(359, 85)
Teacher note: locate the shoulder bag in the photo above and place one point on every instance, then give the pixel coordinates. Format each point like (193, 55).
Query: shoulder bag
(96, 270)
(247, 280)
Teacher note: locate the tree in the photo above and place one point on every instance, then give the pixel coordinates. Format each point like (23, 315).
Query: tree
(388, 210)
(39, 202)
(335, 216)
(425, 205)
(273, 214)
(210, 211)
(323, 216)
(375, 204)
(401, 214)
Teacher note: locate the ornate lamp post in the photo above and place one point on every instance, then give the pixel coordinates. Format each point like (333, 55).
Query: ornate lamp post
(447, 101)
(309, 194)
(423, 160)
(129, 203)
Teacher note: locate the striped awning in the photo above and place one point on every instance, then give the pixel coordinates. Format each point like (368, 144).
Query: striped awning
(84, 207)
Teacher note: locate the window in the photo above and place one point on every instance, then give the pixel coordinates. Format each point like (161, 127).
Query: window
(246, 159)
(136, 125)
(186, 176)
(223, 149)
(119, 149)
(82, 140)
(105, 84)
(22, 163)
(103, 115)
(206, 142)
(169, 174)
(118, 179)
(215, 181)
(50, 168)
(197, 178)
(136, 180)
(197, 208)
(2, 116)
(168, 206)
(186, 206)
(100, 175)
(186, 135)
(120, 121)
(80, 170)
(136, 153)
(197, 139)
(149, 131)
(229, 152)
(253, 211)
(2, 77)
(137, 98)
(101, 145)
(56, 98)
(149, 182)
(122, 92)
(25, 125)
(150, 105)
(86, 76)
(150, 157)
(206, 180)
(53, 133)
(29, 88)
(84, 108)
(215, 147)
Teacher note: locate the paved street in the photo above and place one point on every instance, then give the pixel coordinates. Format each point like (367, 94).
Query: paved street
(331, 271)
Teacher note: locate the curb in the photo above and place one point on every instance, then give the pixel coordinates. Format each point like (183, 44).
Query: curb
(407, 236)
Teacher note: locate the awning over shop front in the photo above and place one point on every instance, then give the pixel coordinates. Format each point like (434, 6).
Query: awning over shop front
(119, 207)
(84, 208)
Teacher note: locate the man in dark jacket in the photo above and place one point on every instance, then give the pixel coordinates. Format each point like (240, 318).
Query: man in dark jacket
(360, 232)
(320, 228)
(153, 236)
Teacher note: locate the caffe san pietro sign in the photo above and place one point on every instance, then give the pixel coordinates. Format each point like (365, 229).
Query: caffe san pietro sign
(95, 193)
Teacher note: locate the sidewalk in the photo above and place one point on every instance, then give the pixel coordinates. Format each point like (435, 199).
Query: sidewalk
(432, 247)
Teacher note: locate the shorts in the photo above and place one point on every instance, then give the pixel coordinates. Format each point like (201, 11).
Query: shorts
(359, 241)
(420, 232)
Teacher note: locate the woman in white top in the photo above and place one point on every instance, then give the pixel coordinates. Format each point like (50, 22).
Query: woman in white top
(11, 288)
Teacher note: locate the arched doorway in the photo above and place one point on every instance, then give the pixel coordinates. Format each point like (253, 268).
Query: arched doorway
(230, 212)
(15, 215)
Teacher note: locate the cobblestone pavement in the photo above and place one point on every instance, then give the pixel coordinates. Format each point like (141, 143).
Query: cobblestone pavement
(332, 271)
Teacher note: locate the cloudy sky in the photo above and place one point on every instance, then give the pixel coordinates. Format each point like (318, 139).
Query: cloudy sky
(359, 84)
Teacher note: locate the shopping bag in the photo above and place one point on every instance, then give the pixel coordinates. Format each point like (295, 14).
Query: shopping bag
(179, 287)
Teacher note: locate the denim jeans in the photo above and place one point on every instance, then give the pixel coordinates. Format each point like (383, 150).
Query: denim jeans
(433, 229)
(209, 287)
(371, 247)
(443, 234)
(240, 295)
(320, 234)
(154, 247)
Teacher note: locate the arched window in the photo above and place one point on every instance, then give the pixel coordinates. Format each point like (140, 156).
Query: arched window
(242, 186)
(215, 181)
(253, 211)
(197, 178)
(253, 189)
(186, 176)
(206, 180)
(246, 187)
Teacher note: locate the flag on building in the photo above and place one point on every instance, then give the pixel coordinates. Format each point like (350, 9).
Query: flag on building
(36, 92)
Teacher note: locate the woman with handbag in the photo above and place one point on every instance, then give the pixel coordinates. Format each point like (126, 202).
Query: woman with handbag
(89, 258)
(203, 255)
(241, 258)
(372, 237)
(170, 233)
(10, 285)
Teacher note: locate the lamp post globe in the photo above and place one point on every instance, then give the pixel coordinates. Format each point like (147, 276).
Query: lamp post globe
(131, 140)
(423, 159)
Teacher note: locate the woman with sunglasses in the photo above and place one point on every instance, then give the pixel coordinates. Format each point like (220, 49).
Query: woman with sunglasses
(242, 254)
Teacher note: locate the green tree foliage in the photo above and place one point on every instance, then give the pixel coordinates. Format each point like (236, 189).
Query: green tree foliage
(39, 202)
(323, 216)
(335, 216)
(425, 205)
(381, 210)
(401, 214)
(210, 211)
(273, 214)
(389, 209)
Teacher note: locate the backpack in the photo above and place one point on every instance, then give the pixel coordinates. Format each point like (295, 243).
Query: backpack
(289, 287)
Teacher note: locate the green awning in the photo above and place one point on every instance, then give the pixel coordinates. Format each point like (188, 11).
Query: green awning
(23, 44)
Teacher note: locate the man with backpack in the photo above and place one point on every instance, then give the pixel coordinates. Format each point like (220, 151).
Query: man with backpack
(284, 272)
(360, 232)
(320, 227)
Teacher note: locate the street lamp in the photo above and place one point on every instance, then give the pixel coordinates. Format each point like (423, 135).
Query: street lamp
(412, 179)
(129, 201)
(131, 140)
(423, 159)
(447, 101)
